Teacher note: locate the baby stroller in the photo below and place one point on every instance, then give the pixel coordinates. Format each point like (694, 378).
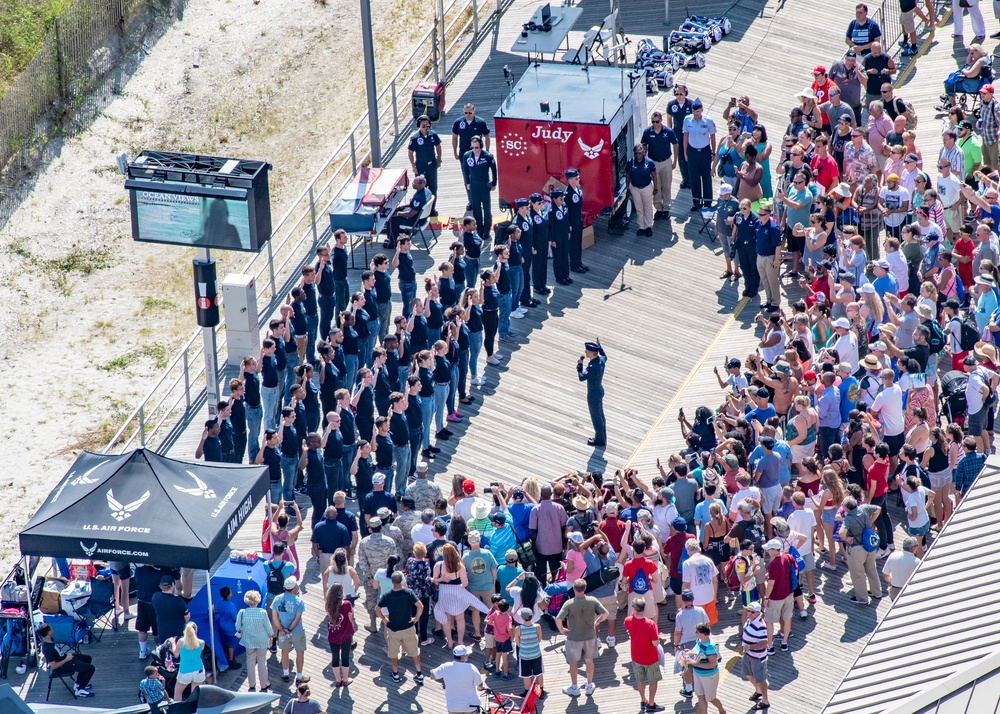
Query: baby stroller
(953, 396)
(496, 703)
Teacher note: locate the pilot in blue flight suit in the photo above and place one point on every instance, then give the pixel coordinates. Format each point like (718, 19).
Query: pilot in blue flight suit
(479, 170)
(593, 375)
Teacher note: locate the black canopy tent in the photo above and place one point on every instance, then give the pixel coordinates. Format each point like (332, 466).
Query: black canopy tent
(142, 507)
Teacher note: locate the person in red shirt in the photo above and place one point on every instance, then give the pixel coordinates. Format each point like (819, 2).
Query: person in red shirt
(643, 638)
(640, 575)
(822, 284)
(778, 598)
(673, 548)
(612, 526)
(876, 490)
(821, 86)
(823, 165)
(962, 251)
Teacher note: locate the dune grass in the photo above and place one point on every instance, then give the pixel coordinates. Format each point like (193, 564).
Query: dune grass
(23, 27)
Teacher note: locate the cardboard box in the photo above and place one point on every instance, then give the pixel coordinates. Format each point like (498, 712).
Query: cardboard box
(588, 237)
(51, 602)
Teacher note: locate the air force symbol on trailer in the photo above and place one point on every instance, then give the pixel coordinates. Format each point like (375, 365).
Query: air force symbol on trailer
(591, 152)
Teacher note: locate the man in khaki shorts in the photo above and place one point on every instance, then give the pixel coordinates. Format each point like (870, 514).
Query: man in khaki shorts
(778, 597)
(643, 640)
(400, 610)
(599, 557)
(286, 617)
(583, 615)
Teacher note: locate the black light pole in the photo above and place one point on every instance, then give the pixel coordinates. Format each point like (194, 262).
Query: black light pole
(369, 51)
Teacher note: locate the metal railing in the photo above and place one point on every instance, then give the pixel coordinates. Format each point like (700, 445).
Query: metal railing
(438, 55)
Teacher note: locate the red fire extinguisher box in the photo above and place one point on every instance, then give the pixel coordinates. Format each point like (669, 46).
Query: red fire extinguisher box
(561, 116)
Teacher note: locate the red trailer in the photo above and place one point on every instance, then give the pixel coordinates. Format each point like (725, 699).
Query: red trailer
(561, 116)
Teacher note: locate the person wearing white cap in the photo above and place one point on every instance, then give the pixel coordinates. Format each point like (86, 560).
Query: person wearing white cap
(753, 663)
(287, 611)
(778, 593)
(461, 680)
(885, 281)
(725, 214)
(846, 343)
(986, 302)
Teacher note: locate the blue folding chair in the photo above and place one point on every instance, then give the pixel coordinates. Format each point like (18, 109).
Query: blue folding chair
(65, 631)
(100, 608)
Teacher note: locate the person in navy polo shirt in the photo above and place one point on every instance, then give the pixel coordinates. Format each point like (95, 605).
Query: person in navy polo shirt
(658, 140)
(424, 152)
(328, 535)
(640, 175)
(699, 150)
(768, 254)
(677, 110)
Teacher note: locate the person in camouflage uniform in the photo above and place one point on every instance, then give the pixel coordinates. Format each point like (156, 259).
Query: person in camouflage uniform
(408, 517)
(373, 552)
(390, 529)
(424, 492)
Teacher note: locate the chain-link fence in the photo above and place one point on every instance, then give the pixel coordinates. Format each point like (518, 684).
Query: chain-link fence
(86, 43)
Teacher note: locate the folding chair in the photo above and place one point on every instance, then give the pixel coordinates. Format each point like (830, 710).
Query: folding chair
(100, 608)
(62, 676)
(423, 223)
(707, 214)
(585, 52)
(64, 631)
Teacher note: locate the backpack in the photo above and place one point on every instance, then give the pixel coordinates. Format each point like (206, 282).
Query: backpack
(910, 114)
(683, 558)
(969, 335)
(793, 572)
(937, 338)
(869, 540)
(526, 554)
(732, 578)
(755, 534)
(639, 584)
(991, 397)
(275, 578)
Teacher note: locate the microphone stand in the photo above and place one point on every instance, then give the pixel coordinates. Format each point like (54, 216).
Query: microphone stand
(623, 286)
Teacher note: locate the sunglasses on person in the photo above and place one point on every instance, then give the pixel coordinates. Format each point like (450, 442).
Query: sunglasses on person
(657, 121)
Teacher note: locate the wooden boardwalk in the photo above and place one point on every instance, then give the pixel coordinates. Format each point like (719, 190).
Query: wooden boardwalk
(663, 334)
